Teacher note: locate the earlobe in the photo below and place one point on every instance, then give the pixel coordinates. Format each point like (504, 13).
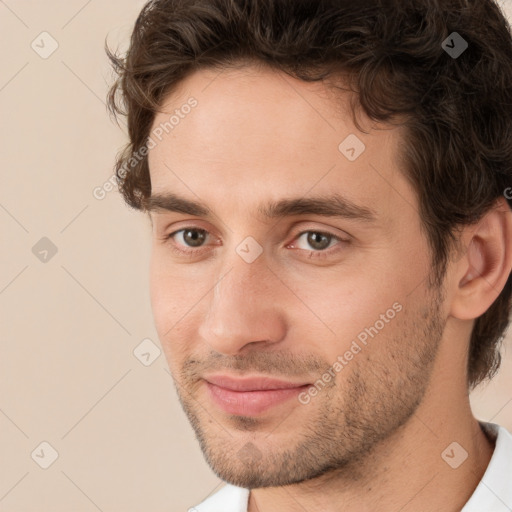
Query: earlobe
(486, 264)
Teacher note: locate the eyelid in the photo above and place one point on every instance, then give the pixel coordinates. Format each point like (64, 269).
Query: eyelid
(317, 231)
(298, 234)
(329, 231)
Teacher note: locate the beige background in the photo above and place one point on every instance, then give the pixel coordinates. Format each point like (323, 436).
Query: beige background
(69, 326)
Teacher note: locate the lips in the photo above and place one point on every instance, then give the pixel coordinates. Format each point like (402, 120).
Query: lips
(250, 396)
(252, 383)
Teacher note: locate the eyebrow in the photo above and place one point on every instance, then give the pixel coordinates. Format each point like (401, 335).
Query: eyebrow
(333, 205)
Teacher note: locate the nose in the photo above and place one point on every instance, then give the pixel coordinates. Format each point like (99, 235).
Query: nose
(244, 308)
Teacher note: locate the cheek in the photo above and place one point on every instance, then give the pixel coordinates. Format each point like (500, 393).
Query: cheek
(167, 303)
(346, 303)
(157, 290)
(175, 301)
(170, 291)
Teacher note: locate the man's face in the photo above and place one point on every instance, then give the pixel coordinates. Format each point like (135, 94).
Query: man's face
(338, 303)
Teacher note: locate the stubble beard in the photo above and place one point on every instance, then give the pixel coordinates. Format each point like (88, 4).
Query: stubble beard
(374, 396)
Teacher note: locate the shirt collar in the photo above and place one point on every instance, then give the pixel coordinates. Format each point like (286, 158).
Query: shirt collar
(494, 491)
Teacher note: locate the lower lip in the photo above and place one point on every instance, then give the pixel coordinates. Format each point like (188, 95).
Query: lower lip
(250, 403)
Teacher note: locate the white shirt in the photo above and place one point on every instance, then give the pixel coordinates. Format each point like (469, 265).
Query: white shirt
(493, 493)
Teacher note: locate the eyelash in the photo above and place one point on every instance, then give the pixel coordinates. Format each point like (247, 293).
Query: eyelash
(320, 254)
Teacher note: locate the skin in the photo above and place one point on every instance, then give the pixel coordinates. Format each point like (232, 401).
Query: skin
(258, 135)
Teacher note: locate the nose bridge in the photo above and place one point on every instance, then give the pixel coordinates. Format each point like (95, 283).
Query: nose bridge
(242, 307)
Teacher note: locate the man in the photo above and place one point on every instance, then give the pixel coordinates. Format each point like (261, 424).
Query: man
(331, 242)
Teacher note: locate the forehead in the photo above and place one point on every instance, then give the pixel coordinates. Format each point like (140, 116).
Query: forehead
(257, 133)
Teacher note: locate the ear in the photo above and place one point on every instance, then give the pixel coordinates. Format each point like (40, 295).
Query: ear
(485, 267)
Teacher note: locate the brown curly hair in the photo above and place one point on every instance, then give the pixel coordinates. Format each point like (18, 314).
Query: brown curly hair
(457, 110)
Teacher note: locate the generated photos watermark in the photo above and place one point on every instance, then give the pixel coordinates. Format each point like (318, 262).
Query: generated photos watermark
(157, 133)
(355, 348)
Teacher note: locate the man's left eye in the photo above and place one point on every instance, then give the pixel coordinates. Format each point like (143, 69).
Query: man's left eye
(318, 240)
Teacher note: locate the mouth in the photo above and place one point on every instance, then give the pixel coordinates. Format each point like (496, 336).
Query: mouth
(250, 396)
